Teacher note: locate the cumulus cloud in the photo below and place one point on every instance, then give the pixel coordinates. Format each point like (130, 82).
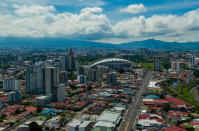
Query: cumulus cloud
(33, 10)
(134, 9)
(164, 27)
(92, 24)
(92, 10)
(41, 21)
(76, 3)
(3, 5)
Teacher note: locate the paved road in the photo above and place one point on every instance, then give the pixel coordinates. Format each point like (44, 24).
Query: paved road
(131, 116)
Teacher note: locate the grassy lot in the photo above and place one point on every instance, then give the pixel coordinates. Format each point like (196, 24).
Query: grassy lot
(183, 93)
(148, 66)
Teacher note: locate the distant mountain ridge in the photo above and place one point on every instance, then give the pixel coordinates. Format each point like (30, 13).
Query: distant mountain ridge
(157, 44)
(14, 42)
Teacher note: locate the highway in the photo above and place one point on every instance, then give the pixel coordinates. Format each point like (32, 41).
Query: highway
(130, 118)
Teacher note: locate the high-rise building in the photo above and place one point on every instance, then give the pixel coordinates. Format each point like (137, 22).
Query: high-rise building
(68, 63)
(20, 63)
(11, 84)
(101, 70)
(157, 63)
(14, 96)
(40, 79)
(82, 79)
(92, 75)
(50, 79)
(175, 66)
(144, 51)
(63, 77)
(34, 78)
(58, 93)
(192, 61)
(82, 70)
(111, 78)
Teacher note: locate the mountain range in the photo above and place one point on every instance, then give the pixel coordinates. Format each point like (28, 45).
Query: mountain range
(15, 42)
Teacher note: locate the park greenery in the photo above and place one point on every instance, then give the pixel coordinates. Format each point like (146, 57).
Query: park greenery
(183, 92)
(166, 64)
(148, 66)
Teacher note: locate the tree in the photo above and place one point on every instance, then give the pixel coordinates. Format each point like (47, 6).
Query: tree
(34, 127)
(166, 65)
(153, 111)
(72, 76)
(166, 108)
(39, 109)
(89, 87)
(3, 116)
(121, 70)
(17, 111)
(196, 72)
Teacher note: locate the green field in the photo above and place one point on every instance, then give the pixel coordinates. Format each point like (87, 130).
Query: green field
(182, 92)
(148, 66)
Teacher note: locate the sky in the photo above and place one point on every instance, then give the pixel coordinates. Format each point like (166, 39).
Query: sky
(109, 21)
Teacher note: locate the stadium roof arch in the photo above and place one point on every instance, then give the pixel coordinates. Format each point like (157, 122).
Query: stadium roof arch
(112, 62)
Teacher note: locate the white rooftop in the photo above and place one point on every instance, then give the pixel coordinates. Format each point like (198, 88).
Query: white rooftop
(75, 123)
(85, 124)
(42, 97)
(110, 116)
(152, 84)
(148, 122)
(104, 124)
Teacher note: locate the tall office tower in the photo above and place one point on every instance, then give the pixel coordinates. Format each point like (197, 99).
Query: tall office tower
(58, 93)
(111, 78)
(82, 79)
(92, 75)
(68, 62)
(175, 66)
(157, 63)
(11, 84)
(1, 77)
(101, 70)
(192, 61)
(50, 79)
(63, 77)
(14, 96)
(144, 51)
(82, 70)
(34, 78)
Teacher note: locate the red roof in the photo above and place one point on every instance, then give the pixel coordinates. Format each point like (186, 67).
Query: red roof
(160, 101)
(172, 113)
(31, 109)
(194, 123)
(176, 101)
(101, 102)
(84, 93)
(155, 101)
(174, 128)
(80, 103)
(156, 108)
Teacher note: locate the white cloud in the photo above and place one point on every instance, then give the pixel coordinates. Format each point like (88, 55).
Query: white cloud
(164, 27)
(33, 10)
(75, 3)
(3, 4)
(134, 9)
(92, 10)
(41, 21)
(92, 24)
